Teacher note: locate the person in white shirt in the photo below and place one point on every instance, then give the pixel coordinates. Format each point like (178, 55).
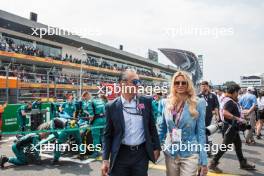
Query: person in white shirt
(260, 101)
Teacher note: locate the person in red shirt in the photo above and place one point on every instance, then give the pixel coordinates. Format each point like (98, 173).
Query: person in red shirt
(2, 108)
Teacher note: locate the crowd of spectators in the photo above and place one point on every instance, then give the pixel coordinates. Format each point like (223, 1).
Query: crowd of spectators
(32, 74)
(7, 44)
(102, 63)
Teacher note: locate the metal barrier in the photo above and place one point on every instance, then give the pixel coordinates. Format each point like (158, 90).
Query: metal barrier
(25, 85)
(25, 82)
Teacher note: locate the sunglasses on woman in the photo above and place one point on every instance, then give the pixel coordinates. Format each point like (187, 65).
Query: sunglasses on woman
(182, 83)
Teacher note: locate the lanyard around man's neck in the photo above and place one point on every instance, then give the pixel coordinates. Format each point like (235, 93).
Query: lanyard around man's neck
(138, 112)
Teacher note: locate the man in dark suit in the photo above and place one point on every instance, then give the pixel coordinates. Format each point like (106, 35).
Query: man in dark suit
(130, 138)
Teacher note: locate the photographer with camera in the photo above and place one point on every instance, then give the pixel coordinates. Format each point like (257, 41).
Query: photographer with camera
(212, 106)
(231, 115)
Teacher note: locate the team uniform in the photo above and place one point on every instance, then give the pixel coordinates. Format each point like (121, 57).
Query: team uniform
(157, 110)
(96, 109)
(21, 119)
(69, 109)
(21, 148)
(63, 136)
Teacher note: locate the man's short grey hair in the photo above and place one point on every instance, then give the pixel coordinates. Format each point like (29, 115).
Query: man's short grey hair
(123, 75)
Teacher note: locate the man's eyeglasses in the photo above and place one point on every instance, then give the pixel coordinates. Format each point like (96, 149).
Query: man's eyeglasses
(182, 83)
(136, 82)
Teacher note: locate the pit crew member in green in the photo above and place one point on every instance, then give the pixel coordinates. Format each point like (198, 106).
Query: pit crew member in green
(54, 108)
(156, 107)
(36, 104)
(21, 115)
(68, 108)
(21, 152)
(104, 98)
(83, 104)
(96, 109)
(63, 136)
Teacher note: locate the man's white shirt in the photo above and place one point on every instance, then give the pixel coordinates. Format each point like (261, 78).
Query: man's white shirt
(134, 129)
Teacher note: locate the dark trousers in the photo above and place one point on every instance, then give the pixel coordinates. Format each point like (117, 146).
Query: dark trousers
(130, 163)
(208, 121)
(231, 135)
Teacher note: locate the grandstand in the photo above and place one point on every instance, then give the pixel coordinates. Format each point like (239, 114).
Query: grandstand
(185, 60)
(46, 66)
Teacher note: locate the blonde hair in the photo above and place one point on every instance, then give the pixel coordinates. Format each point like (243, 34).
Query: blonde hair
(173, 98)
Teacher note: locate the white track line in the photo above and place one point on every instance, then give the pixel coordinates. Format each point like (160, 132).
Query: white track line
(87, 161)
(8, 139)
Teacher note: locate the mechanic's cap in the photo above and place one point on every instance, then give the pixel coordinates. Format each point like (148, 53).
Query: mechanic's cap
(250, 89)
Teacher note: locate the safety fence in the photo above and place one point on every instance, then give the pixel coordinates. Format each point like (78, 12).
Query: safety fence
(20, 86)
(53, 130)
(10, 120)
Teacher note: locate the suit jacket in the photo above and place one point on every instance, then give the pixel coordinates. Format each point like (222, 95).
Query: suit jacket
(115, 128)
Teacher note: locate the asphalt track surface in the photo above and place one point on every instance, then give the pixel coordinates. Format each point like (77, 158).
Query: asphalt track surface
(71, 165)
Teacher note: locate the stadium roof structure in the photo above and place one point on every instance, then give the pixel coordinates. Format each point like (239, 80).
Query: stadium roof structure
(185, 60)
(24, 25)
